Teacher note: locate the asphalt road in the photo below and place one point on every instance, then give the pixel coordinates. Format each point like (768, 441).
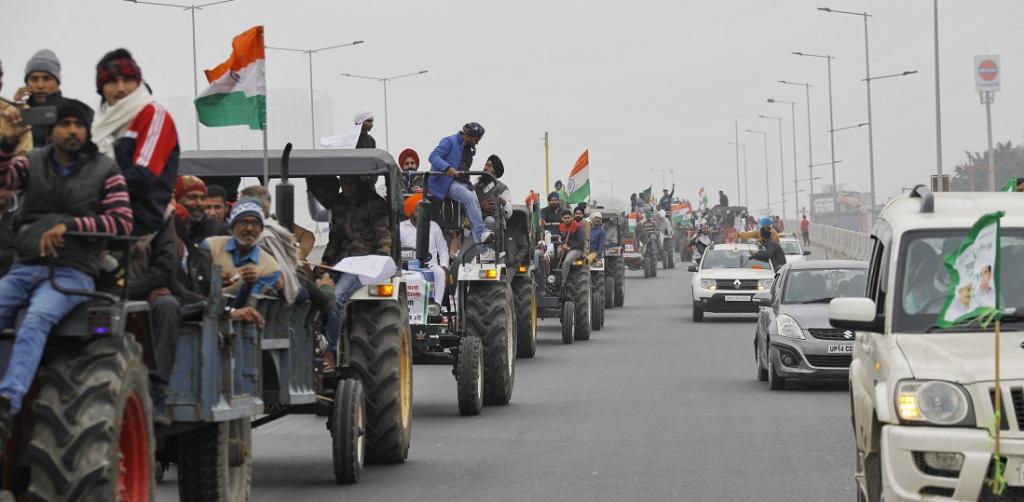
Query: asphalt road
(653, 407)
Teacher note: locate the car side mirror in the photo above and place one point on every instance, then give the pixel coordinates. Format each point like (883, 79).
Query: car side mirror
(857, 314)
(763, 298)
(691, 268)
(807, 253)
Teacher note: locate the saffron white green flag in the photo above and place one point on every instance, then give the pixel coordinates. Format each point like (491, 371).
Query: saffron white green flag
(578, 186)
(238, 87)
(974, 275)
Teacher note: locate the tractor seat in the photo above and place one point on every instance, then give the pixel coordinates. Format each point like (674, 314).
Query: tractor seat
(75, 324)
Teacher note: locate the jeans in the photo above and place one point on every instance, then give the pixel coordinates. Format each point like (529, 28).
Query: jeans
(30, 285)
(344, 287)
(165, 314)
(464, 195)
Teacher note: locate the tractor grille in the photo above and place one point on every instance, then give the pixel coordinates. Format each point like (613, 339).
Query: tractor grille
(830, 361)
(831, 334)
(731, 284)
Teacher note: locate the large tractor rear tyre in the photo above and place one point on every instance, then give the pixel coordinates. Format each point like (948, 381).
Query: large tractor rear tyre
(579, 290)
(597, 301)
(525, 292)
(381, 357)
(671, 257)
(93, 434)
(609, 286)
(215, 462)
(490, 316)
(348, 431)
(568, 321)
(620, 283)
(469, 376)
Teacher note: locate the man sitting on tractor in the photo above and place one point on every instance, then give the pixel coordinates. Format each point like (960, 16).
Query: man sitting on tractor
(452, 156)
(572, 241)
(550, 214)
(598, 236)
(439, 258)
(66, 186)
(359, 227)
(493, 195)
(245, 269)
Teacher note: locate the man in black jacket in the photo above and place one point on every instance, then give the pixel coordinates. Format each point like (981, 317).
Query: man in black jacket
(771, 250)
(666, 199)
(190, 192)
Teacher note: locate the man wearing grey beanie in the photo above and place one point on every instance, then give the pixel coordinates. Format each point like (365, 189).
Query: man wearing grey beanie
(42, 88)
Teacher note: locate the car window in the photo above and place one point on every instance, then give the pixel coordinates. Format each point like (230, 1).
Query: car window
(819, 284)
(790, 247)
(728, 258)
(922, 280)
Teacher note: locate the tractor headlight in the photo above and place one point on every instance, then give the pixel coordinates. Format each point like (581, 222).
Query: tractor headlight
(935, 402)
(788, 327)
(708, 284)
(551, 279)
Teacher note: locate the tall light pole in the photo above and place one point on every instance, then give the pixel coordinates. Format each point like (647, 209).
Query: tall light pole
(385, 80)
(782, 167)
(736, 146)
(832, 136)
(869, 79)
(746, 188)
(195, 64)
(938, 102)
(309, 53)
(792, 115)
(862, 124)
(767, 188)
(810, 151)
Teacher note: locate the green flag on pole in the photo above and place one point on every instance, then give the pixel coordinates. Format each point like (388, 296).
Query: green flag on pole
(1012, 185)
(974, 275)
(646, 194)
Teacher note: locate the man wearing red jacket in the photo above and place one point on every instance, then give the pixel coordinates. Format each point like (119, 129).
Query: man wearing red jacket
(139, 134)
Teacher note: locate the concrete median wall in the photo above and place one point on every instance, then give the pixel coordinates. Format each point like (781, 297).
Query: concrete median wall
(839, 242)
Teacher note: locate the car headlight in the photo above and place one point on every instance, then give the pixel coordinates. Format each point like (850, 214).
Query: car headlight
(708, 284)
(788, 327)
(764, 284)
(935, 402)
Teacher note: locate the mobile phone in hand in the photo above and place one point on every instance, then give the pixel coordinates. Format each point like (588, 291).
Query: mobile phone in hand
(40, 115)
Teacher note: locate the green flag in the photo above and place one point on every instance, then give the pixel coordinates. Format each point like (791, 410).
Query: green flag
(974, 275)
(646, 194)
(1011, 185)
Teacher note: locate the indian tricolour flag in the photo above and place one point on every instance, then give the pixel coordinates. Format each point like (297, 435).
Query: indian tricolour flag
(238, 87)
(703, 197)
(681, 212)
(578, 186)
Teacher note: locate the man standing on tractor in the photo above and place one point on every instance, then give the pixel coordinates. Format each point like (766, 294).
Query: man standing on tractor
(452, 156)
(364, 119)
(66, 186)
(665, 204)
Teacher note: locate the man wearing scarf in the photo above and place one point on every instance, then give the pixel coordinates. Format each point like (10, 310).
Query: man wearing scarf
(364, 119)
(409, 162)
(139, 134)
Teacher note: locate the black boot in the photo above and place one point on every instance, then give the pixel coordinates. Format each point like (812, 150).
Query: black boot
(6, 420)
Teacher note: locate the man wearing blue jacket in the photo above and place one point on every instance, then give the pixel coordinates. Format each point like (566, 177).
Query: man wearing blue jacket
(454, 155)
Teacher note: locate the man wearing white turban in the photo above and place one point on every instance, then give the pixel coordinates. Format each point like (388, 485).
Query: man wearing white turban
(364, 119)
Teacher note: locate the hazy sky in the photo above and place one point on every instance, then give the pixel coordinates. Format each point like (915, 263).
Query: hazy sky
(643, 84)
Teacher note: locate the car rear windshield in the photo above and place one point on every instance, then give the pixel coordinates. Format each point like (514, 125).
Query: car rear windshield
(728, 258)
(923, 280)
(790, 247)
(804, 286)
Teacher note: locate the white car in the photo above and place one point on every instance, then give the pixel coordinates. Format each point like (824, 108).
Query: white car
(923, 397)
(727, 280)
(794, 251)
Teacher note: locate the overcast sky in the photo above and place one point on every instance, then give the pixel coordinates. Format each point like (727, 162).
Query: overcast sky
(643, 84)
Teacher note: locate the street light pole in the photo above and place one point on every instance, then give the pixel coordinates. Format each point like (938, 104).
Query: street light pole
(782, 168)
(745, 195)
(938, 102)
(385, 80)
(195, 62)
(309, 53)
(832, 135)
(810, 151)
(767, 187)
(736, 146)
(792, 115)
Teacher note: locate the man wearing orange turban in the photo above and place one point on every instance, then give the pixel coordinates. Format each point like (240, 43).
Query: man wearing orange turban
(438, 248)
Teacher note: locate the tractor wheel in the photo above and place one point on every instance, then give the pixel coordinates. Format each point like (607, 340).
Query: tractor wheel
(93, 434)
(609, 286)
(526, 316)
(597, 301)
(579, 288)
(469, 376)
(620, 284)
(381, 357)
(489, 316)
(671, 256)
(348, 431)
(568, 320)
(215, 462)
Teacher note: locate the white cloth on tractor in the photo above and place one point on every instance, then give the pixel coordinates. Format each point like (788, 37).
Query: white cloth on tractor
(438, 253)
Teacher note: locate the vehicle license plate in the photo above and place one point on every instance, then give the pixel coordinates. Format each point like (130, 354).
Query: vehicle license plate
(840, 349)
(737, 298)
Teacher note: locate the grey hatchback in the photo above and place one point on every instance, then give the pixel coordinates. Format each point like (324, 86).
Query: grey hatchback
(793, 338)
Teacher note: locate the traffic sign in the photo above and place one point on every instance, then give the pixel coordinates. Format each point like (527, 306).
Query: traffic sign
(987, 73)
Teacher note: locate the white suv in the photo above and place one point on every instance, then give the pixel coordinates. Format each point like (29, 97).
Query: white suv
(923, 397)
(727, 280)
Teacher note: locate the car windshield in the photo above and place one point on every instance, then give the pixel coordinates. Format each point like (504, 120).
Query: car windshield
(730, 258)
(790, 247)
(923, 281)
(805, 286)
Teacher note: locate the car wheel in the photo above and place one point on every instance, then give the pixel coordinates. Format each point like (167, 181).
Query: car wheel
(698, 314)
(775, 382)
(759, 372)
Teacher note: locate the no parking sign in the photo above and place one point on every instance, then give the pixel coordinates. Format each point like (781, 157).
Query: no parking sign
(987, 73)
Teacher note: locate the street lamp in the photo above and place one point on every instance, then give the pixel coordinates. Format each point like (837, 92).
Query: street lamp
(810, 151)
(195, 65)
(832, 138)
(782, 168)
(862, 124)
(767, 189)
(792, 115)
(385, 80)
(747, 187)
(309, 53)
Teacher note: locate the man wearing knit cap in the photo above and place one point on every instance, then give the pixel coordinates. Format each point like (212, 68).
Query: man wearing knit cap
(244, 268)
(190, 192)
(42, 88)
(439, 259)
(452, 156)
(217, 203)
(140, 134)
(66, 186)
(364, 119)
(24, 143)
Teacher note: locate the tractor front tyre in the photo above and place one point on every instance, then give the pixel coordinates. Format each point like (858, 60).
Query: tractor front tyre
(597, 301)
(579, 289)
(93, 434)
(620, 283)
(381, 357)
(215, 462)
(348, 431)
(525, 293)
(469, 376)
(568, 320)
(609, 285)
(489, 316)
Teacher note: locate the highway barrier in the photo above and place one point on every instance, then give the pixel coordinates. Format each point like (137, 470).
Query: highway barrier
(838, 242)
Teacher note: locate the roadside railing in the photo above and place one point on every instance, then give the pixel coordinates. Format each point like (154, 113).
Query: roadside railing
(839, 242)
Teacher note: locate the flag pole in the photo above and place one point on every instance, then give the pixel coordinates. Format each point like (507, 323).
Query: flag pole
(547, 166)
(999, 393)
(266, 160)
